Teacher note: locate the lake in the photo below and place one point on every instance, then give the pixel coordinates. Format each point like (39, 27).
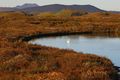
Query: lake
(100, 45)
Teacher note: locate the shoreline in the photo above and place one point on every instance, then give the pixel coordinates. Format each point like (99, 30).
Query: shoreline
(55, 34)
(28, 38)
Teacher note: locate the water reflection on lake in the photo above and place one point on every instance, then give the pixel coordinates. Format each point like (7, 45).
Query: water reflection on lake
(103, 46)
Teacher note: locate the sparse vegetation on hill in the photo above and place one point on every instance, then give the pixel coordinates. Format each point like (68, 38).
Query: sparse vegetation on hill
(22, 61)
(65, 13)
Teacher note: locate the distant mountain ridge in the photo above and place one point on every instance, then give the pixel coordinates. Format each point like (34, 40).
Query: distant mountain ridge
(7, 9)
(58, 7)
(34, 8)
(27, 5)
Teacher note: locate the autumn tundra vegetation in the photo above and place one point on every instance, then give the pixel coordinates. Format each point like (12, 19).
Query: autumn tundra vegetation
(20, 60)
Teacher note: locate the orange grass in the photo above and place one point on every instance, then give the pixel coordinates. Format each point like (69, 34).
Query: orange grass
(22, 61)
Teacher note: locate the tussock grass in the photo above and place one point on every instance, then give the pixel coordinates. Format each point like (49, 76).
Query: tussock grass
(22, 61)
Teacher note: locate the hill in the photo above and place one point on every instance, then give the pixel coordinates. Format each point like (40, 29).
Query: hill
(2, 9)
(27, 5)
(33, 8)
(58, 7)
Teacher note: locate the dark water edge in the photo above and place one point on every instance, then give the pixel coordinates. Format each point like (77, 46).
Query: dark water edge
(55, 34)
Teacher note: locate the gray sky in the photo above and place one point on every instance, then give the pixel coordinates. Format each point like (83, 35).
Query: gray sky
(103, 4)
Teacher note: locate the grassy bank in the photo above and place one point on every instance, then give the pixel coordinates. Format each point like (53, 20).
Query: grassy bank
(20, 60)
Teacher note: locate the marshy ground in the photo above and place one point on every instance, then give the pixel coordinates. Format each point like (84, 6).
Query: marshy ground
(22, 61)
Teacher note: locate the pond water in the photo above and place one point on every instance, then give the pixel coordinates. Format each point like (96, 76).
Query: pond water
(103, 46)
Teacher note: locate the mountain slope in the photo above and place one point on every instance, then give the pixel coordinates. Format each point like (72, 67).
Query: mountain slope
(27, 5)
(34, 8)
(7, 9)
(58, 7)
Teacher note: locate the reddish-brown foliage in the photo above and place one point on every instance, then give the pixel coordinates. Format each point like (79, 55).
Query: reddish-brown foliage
(22, 61)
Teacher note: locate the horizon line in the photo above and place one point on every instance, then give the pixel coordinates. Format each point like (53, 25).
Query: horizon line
(56, 4)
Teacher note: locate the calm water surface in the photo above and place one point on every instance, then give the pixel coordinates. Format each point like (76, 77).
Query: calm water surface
(103, 46)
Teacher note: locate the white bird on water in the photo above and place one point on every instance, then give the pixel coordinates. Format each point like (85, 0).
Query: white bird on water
(68, 41)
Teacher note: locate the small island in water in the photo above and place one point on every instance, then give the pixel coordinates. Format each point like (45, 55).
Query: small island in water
(55, 55)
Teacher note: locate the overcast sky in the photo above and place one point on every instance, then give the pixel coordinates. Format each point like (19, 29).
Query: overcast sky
(103, 4)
